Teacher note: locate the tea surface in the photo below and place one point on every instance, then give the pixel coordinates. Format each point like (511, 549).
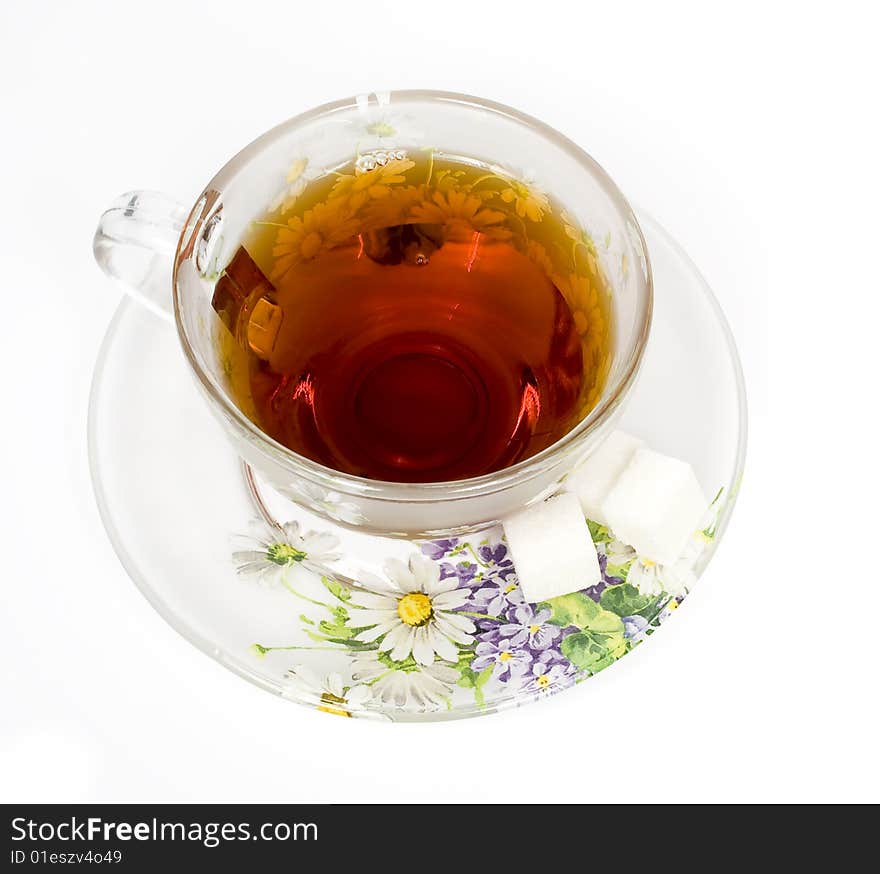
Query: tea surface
(415, 320)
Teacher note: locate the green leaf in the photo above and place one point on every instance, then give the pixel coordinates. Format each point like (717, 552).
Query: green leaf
(482, 679)
(606, 622)
(580, 610)
(584, 651)
(477, 681)
(574, 609)
(305, 619)
(470, 679)
(599, 533)
(336, 589)
(467, 676)
(338, 631)
(593, 652)
(465, 657)
(626, 600)
(617, 646)
(619, 571)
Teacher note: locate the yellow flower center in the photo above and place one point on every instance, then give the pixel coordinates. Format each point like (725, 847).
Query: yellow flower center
(648, 564)
(284, 553)
(333, 704)
(505, 657)
(311, 245)
(543, 682)
(534, 629)
(415, 609)
(510, 588)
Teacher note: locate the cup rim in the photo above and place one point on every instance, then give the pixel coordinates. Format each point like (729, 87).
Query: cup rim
(441, 490)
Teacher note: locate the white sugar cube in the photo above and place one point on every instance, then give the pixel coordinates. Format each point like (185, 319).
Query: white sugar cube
(552, 549)
(655, 506)
(595, 477)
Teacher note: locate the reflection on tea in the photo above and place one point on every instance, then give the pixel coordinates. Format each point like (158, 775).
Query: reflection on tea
(415, 320)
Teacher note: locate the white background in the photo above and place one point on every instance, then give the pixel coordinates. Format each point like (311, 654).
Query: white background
(748, 131)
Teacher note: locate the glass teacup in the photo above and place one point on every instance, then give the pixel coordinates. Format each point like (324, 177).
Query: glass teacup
(169, 258)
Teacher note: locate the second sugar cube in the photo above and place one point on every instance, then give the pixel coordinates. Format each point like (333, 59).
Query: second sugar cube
(655, 506)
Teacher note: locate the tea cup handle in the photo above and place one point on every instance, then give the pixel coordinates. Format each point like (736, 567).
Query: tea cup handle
(135, 243)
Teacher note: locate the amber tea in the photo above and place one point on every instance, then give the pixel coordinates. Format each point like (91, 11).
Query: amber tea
(415, 320)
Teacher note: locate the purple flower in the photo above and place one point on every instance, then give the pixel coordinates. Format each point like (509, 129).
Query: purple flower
(435, 549)
(493, 554)
(595, 592)
(497, 595)
(528, 627)
(554, 654)
(549, 675)
(634, 627)
(465, 572)
(507, 661)
(499, 561)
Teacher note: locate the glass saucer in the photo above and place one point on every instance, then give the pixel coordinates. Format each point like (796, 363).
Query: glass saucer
(288, 600)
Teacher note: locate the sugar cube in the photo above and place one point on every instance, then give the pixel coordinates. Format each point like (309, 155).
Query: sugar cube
(552, 550)
(655, 506)
(595, 477)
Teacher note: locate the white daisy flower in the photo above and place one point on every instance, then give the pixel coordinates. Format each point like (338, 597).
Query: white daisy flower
(413, 688)
(330, 504)
(388, 131)
(653, 579)
(276, 547)
(676, 579)
(527, 198)
(326, 693)
(296, 182)
(415, 616)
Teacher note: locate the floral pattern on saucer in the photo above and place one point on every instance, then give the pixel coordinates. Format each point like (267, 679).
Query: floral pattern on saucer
(450, 628)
